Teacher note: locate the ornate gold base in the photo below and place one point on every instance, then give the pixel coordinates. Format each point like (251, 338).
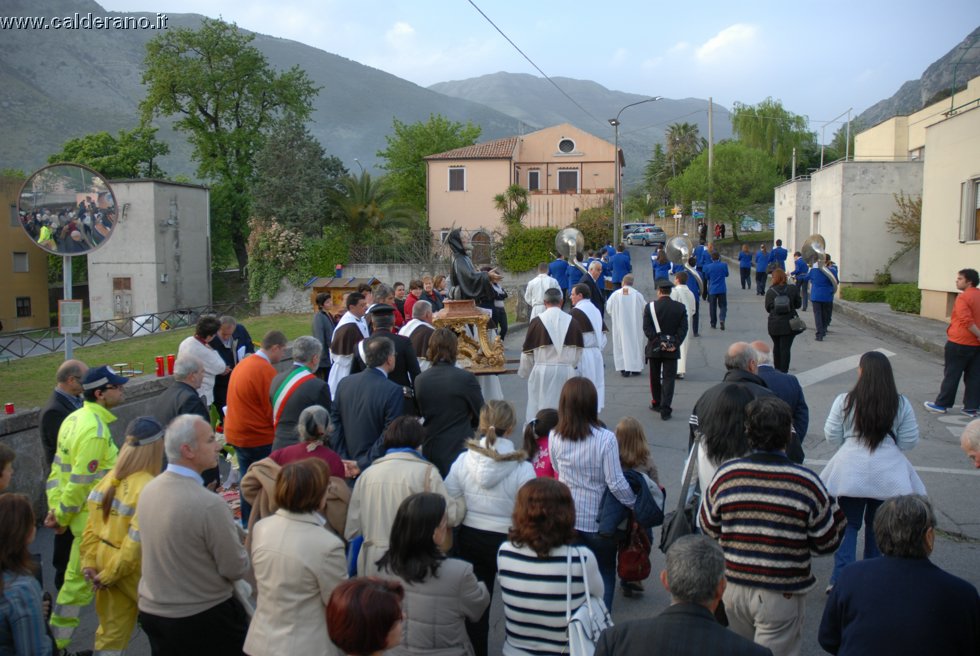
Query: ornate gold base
(480, 354)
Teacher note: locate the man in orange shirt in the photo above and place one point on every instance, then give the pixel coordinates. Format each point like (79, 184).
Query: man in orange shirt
(249, 425)
(962, 355)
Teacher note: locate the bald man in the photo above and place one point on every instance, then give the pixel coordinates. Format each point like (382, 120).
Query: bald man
(970, 442)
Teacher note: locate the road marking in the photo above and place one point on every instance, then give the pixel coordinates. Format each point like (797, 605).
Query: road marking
(835, 368)
(931, 470)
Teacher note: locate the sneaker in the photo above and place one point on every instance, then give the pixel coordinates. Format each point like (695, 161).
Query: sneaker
(932, 407)
(969, 413)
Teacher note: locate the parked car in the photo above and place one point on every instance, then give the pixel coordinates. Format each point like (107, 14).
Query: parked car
(749, 224)
(648, 236)
(629, 228)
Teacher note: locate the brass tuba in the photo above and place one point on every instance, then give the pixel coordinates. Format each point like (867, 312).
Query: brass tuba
(570, 243)
(814, 252)
(678, 251)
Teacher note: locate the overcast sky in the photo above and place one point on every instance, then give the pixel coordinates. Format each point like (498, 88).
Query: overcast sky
(818, 58)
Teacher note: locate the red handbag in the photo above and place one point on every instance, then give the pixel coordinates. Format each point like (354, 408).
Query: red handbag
(634, 553)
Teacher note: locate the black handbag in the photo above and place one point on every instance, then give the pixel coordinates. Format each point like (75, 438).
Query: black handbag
(680, 522)
(797, 325)
(663, 343)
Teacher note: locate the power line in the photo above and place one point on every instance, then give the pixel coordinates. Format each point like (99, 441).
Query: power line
(536, 67)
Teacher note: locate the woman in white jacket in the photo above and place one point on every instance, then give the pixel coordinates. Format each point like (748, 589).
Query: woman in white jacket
(487, 475)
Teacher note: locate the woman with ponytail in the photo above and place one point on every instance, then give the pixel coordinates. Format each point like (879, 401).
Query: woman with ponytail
(487, 475)
(110, 549)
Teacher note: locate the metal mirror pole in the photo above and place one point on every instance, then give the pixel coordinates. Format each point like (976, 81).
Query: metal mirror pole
(66, 276)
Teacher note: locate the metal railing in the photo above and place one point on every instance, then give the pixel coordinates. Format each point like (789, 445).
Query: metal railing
(26, 343)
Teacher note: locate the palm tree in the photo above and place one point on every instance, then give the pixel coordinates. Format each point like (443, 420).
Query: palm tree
(683, 145)
(366, 204)
(512, 205)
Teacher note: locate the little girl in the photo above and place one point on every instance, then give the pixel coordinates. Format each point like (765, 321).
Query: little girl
(634, 454)
(536, 441)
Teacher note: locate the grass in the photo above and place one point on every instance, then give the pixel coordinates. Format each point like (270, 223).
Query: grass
(27, 382)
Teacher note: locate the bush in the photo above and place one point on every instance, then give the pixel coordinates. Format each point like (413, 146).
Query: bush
(595, 224)
(863, 294)
(904, 298)
(320, 256)
(522, 249)
(883, 278)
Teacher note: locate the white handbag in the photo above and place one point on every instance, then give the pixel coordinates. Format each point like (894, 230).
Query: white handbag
(589, 620)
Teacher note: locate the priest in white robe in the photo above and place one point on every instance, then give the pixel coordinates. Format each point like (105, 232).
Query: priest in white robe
(551, 352)
(536, 287)
(683, 294)
(589, 320)
(350, 330)
(625, 309)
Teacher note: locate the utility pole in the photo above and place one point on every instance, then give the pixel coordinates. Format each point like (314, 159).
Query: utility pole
(711, 155)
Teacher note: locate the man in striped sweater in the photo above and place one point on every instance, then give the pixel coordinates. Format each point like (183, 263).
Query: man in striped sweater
(769, 515)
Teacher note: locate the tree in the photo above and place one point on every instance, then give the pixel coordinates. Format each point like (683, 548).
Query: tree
(293, 176)
(366, 204)
(774, 130)
(404, 158)
(683, 145)
(512, 205)
(130, 155)
(656, 173)
(741, 177)
(225, 96)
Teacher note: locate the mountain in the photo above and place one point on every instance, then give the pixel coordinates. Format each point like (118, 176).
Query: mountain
(935, 83)
(59, 84)
(537, 103)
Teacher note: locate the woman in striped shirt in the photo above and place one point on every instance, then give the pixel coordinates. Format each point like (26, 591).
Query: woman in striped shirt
(585, 456)
(534, 570)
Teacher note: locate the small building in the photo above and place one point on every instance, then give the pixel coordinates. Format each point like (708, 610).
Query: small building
(24, 292)
(565, 169)
(159, 256)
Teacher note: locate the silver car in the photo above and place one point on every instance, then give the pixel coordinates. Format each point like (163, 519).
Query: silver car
(649, 236)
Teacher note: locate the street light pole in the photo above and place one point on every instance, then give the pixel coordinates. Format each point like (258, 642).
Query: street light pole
(618, 188)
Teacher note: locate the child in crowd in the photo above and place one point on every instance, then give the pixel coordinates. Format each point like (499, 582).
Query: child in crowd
(536, 441)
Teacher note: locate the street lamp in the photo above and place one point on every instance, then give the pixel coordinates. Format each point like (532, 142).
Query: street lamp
(617, 199)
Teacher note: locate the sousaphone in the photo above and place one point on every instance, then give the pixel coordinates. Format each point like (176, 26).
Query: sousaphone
(678, 251)
(570, 243)
(814, 253)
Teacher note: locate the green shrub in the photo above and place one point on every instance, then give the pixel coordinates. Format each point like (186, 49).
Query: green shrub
(595, 224)
(904, 298)
(883, 278)
(522, 249)
(863, 294)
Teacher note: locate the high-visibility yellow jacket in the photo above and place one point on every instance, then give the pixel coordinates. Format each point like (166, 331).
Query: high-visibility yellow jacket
(112, 547)
(84, 455)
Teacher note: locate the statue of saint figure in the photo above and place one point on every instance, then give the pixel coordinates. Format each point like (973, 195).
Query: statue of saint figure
(468, 282)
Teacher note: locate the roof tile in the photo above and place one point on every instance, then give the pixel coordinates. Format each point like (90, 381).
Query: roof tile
(497, 149)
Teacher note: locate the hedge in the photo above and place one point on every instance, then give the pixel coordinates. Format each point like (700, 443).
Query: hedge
(524, 248)
(904, 297)
(863, 294)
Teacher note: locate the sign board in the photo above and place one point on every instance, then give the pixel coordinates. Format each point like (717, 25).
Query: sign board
(69, 317)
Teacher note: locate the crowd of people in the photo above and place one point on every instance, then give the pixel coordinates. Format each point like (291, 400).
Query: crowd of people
(71, 229)
(382, 494)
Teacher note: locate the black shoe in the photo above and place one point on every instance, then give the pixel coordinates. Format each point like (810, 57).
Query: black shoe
(713, 327)
(624, 374)
(665, 414)
(722, 325)
(819, 338)
(654, 406)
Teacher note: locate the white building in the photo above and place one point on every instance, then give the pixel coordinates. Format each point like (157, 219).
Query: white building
(159, 256)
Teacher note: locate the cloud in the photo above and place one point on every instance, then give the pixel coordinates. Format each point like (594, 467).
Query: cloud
(619, 57)
(678, 48)
(727, 42)
(399, 34)
(652, 62)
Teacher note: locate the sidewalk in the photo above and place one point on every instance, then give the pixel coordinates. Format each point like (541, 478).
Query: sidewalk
(927, 334)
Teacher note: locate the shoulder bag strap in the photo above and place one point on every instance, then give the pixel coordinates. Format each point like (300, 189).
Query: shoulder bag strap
(585, 581)
(691, 463)
(428, 472)
(653, 313)
(568, 586)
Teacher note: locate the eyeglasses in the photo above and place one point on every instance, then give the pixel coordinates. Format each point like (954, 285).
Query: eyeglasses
(112, 387)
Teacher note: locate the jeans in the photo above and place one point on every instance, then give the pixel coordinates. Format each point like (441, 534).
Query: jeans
(479, 548)
(604, 550)
(856, 509)
(746, 278)
(804, 287)
(781, 346)
(822, 311)
(246, 456)
(760, 282)
(716, 302)
(662, 392)
(963, 361)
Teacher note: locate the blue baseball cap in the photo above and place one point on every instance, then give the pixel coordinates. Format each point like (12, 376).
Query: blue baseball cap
(99, 377)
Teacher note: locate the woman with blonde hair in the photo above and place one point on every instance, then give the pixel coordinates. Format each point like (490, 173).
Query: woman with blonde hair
(110, 550)
(487, 477)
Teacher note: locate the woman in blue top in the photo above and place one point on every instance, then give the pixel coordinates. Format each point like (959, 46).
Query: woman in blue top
(822, 290)
(745, 266)
(761, 270)
(661, 265)
(22, 629)
(799, 275)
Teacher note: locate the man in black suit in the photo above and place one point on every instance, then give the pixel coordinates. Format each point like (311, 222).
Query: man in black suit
(323, 326)
(406, 360)
(365, 404)
(786, 387)
(672, 319)
(695, 578)
(65, 399)
(449, 400)
(233, 343)
(296, 389)
(598, 296)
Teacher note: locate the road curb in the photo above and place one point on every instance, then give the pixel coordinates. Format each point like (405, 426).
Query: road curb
(853, 311)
